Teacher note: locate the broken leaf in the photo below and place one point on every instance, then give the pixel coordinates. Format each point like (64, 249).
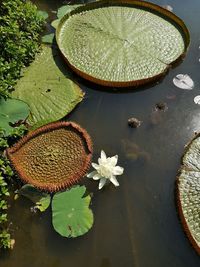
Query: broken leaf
(183, 81)
(47, 89)
(12, 111)
(71, 215)
(41, 199)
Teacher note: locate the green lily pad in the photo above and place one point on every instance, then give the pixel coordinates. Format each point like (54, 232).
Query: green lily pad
(63, 10)
(43, 14)
(71, 214)
(47, 89)
(48, 38)
(41, 199)
(188, 192)
(12, 111)
(121, 43)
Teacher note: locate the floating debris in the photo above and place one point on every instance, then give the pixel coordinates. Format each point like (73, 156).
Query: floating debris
(134, 122)
(197, 100)
(161, 106)
(183, 81)
(168, 7)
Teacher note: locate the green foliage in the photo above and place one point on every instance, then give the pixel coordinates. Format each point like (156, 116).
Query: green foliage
(51, 95)
(11, 111)
(20, 26)
(71, 214)
(41, 199)
(6, 174)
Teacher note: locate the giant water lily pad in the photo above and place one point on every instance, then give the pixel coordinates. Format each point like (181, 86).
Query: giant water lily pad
(12, 111)
(188, 192)
(52, 157)
(46, 88)
(71, 214)
(121, 43)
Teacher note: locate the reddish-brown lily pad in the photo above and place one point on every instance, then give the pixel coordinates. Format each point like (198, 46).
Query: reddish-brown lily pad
(52, 157)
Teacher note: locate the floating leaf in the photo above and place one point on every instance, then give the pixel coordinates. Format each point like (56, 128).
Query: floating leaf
(12, 111)
(71, 214)
(183, 81)
(188, 193)
(41, 199)
(52, 157)
(48, 39)
(197, 99)
(63, 10)
(55, 23)
(121, 44)
(43, 14)
(47, 90)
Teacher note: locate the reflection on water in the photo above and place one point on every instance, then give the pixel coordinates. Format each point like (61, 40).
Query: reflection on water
(136, 225)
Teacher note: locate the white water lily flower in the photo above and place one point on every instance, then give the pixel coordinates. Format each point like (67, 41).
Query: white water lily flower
(106, 170)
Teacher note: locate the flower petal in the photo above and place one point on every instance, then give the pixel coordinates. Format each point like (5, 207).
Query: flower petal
(102, 182)
(97, 176)
(103, 155)
(118, 170)
(95, 166)
(91, 174)
(114, 181)
(114, 160)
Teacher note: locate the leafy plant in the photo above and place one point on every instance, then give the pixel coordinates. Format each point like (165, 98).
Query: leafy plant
(6, 174)
(71, 215)
(11, 111)
(51, 95)
(20, 26)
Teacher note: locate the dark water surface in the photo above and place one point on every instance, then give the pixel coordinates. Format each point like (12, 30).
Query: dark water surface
(136, 224)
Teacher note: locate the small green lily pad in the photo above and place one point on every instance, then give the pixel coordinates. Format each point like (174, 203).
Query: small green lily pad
(188, 192)
(72, 216)
(63, 10)
(48, 38)
(43, 14)
(12, 111)
(47, 89)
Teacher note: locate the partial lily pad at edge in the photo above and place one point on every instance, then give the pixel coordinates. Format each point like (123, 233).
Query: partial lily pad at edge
(63, 10)
(188, 192)
(47, 89)
(12, 111)
(71, 215)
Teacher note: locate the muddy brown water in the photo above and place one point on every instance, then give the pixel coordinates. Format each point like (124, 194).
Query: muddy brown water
(136, 225)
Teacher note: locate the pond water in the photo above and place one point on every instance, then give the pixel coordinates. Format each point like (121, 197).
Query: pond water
(136, 224)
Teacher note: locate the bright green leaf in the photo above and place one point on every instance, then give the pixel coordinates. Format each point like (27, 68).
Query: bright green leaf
(63, 10)
(12, 111)
(47, 90)
(43, 14)
(71, 214)
(41, 199)
(48, 39)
